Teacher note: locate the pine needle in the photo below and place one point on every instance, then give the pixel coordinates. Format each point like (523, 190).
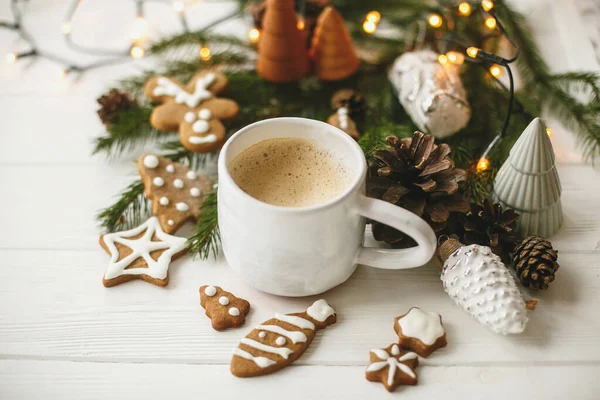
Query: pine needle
(206, 238)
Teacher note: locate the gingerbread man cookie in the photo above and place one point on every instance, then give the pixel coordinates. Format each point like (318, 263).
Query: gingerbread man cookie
(280, 341)
(223, 308)
(392, 367)
(420, 331)
(176, 192)
(144, 253)
(193, 110)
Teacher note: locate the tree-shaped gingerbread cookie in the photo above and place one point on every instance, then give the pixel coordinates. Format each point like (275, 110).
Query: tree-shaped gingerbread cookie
(192, 109)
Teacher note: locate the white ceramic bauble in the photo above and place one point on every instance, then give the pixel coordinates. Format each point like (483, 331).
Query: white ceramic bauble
(478, 281)
(431, 93)
(528, 183)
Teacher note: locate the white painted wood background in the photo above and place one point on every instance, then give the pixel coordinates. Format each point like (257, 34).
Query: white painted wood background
(64, 336)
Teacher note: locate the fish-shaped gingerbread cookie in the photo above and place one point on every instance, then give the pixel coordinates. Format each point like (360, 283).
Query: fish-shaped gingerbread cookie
(280, 341)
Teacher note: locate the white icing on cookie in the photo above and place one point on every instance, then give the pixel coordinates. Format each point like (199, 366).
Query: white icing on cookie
(282, 351)
(296, 321)
(158, 181)
(178, 183)
(234, 311)
(191, 175)
(170, 168)
(195, 192)
(205, 114)
(164, 201)
(395, 350)
(171, 222)
(342, 113)
(200, 126)
(210, 291)
(166, 87)
(150, 161)
(182, 207)
(422, 325)
(262, 335)
(142, 247)
(189, 117)
(294, 336)
(223, 300)
(320, 310)
(393, 363)
(280, 341)
(262, 362)
(203, 139)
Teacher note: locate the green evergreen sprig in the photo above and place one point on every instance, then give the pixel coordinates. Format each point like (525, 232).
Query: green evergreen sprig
(206, 238)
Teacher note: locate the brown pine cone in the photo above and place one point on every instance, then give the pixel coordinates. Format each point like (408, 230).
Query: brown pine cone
(416, 174)
(535, 262)
(111, 104)
(487, 225)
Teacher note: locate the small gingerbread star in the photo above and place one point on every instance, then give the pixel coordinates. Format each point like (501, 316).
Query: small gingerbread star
(144, 253)
(392, 367)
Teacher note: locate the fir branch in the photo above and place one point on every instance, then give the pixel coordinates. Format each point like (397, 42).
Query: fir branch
(196, 38)
(206, 238)
(177, 153)
(128, 211)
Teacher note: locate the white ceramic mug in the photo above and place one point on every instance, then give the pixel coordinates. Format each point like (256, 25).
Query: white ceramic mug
(301, 251)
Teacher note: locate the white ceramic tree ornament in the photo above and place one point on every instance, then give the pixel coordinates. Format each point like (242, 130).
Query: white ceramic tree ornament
(528, 183)
(478, 281)
(431, 93)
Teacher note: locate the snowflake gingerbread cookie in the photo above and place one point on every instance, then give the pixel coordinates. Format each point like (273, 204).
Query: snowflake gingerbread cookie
(392, 367)
(193, 109)
(420, 331)
(144, 252)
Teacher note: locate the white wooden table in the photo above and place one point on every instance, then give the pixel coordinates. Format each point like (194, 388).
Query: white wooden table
(63, 335)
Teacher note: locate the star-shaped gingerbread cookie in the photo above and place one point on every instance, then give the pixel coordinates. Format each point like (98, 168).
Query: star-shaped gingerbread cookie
(392, 367)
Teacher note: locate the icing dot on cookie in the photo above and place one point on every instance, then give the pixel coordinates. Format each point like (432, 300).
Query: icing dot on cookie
(280, 341)
(262, 334)
(395, 350)
(171, 222)
(158, 181)
(151, 161)
(182, 207)
(195, 192)
(163, 201)
(178, 183)
(191, 175)
(210, 291)
(234, 312)
(189, 117)
(170, 168)
(223, 300)
(205, 114)
(200, 126)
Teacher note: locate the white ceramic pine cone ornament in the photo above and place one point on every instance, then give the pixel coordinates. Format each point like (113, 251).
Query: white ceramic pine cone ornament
(478, 281)
(431, 93)
(528, 183)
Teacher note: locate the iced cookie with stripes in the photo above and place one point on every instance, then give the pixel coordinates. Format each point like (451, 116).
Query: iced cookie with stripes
(280, 341)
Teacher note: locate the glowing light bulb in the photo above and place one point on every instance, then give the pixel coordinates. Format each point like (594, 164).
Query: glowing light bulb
(483, 164)
(369, 26)
(495, 70)
(178, 6)
(204, 53)
(464, 8)
(455, 57)
(490, 22)
(254, 35)
(472, 52)
(300, 24)
(549, 132)
(443, 59)
(487, 5)
(139, 29)
(11, 58)
(137, 51)
(66, 27)
(373, 16)
(435, 20)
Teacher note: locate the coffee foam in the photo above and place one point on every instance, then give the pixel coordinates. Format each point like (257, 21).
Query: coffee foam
(289, 172)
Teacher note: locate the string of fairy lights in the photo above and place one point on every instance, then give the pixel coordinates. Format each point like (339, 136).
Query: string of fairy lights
(135, 49)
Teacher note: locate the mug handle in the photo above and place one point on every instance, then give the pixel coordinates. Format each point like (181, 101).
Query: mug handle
(402, 220)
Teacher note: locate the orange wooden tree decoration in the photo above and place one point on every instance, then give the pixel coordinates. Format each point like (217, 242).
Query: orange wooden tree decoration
(282, 53)
(332, 48)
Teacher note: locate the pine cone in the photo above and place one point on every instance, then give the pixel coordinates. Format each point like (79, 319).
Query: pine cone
(111, 104)
(418, 175)
(351, 99)
(486, 224)
(535, 262)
